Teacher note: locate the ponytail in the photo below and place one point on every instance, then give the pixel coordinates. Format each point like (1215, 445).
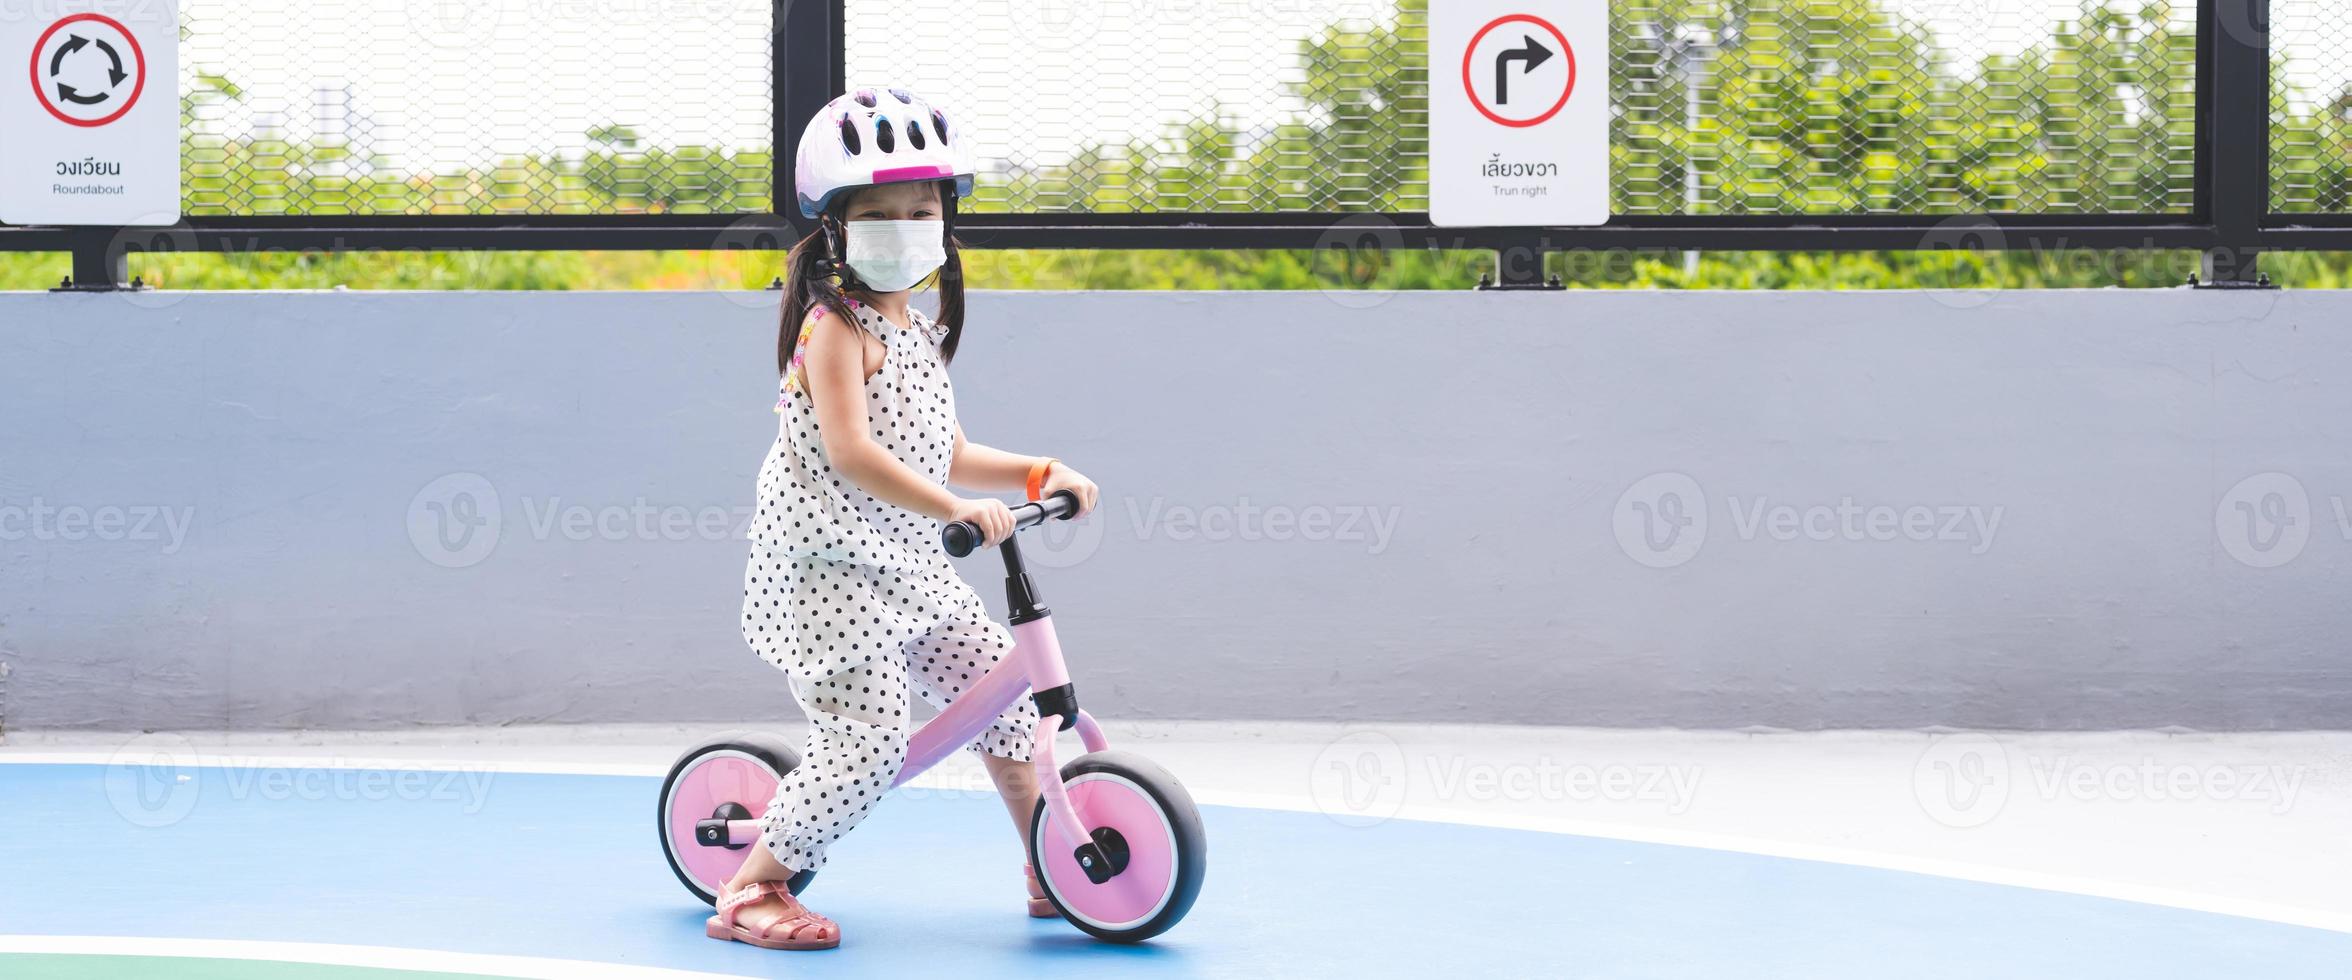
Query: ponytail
(809, 272)
(951, 279)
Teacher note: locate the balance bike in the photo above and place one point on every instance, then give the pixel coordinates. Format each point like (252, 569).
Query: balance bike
(1116, 840)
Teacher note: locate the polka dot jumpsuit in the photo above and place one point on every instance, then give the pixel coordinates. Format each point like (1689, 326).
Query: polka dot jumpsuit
(855, 600)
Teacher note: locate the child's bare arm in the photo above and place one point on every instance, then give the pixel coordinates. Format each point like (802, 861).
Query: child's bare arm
(834, 372)
(989, 468)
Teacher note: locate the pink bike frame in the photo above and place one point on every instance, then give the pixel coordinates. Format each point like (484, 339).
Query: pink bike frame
(1036, 664)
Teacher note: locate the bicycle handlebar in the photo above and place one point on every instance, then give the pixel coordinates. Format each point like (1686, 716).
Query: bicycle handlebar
(962, 537)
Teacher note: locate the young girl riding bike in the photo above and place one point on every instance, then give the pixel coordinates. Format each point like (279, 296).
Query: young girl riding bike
(848, 589)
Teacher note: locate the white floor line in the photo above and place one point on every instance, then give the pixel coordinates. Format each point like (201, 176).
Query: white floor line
(170, 750)
(224, 760)
(330, 954)
(1958, 870)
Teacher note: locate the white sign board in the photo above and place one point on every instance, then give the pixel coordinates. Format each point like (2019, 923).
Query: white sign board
(1519, 112)
(91, 135)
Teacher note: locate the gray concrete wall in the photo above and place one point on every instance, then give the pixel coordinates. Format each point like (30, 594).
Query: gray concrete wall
(2029, 509)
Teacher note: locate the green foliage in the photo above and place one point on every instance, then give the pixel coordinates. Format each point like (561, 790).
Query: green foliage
(1814, 106)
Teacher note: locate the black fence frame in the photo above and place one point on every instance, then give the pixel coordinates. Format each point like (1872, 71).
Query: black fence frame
(2230, 221)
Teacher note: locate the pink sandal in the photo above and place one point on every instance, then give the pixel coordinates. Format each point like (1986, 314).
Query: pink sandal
(1040, 907)
(802, 929)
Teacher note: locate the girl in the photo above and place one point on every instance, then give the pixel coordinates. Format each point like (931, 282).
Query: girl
(848, 590)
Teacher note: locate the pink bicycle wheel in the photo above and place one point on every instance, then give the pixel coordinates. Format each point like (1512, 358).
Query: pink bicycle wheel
(1144, 817)
(727, 776)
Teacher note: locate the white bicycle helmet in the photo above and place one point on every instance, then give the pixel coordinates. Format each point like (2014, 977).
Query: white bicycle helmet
(872, 136)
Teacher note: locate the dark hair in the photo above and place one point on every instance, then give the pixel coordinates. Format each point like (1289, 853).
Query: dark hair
(812, 266)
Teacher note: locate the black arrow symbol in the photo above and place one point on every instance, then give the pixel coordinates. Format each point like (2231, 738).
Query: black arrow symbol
(117, 75)
(1530, 52)
(76, 42)
(73, 43)
(67, 93)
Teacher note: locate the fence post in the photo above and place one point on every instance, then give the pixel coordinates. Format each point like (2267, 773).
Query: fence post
(100, 263)
(1519, 264)
(807, 71)
(2233, 137)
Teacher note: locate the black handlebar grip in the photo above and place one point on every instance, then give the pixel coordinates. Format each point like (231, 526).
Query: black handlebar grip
(960, 538)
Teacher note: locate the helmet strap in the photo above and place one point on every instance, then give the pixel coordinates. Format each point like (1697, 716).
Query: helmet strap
(829, 264)
(832, 264)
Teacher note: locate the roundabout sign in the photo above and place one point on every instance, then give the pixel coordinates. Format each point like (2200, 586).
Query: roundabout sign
(89, 48)
(93, 125)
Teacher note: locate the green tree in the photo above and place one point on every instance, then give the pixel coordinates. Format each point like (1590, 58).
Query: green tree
(1721, 107)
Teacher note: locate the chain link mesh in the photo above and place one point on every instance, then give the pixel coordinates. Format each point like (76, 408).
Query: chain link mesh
(1720, 107)
(1904, 106)
(412, 107)
(1153, 105)
(2311, 106)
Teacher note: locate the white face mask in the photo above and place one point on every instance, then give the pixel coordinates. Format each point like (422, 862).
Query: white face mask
(894, 255)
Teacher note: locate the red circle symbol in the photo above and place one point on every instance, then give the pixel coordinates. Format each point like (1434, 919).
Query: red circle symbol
(138, 61)
(1470, 88)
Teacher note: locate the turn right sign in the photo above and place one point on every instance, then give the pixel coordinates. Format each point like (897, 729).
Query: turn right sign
(1519, 112)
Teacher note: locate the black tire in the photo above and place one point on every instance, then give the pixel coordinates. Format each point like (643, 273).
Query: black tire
(779, 756)
(1192, 843)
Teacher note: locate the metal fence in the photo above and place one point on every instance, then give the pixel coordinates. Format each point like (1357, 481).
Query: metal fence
(1762, 124)
(2311, 108)
(480, 108)
(1767, 107)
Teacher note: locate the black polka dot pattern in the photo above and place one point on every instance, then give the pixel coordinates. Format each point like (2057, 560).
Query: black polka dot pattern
(855, 600)
(805, 508)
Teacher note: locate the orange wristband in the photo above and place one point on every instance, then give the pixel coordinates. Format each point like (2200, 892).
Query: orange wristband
(1037, 474)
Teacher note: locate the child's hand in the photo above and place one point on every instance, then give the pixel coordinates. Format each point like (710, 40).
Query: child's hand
(1060, 476)
(990, 515)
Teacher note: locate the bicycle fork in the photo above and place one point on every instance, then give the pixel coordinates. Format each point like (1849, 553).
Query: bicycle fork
(1101, 853)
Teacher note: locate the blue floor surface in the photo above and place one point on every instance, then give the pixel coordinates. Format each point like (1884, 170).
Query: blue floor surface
(567, 866)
